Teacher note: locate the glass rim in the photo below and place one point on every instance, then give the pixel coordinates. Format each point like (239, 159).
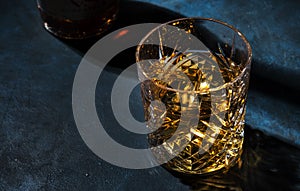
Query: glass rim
(238, 32)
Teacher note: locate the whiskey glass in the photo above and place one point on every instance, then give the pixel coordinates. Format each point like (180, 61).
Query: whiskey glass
(77, 19)
(194, 75)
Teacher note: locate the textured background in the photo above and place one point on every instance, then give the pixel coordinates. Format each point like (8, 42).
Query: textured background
(42, 150)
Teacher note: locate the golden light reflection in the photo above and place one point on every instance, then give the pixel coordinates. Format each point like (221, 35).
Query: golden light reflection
(121, 33)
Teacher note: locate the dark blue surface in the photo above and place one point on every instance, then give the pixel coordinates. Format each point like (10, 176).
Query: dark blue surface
(42, 150)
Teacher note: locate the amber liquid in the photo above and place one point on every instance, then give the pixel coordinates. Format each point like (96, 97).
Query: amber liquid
(79, 28)
(212, 146)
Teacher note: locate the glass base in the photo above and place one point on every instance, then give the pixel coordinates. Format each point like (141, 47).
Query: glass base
(78, 29)
(173, 165)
